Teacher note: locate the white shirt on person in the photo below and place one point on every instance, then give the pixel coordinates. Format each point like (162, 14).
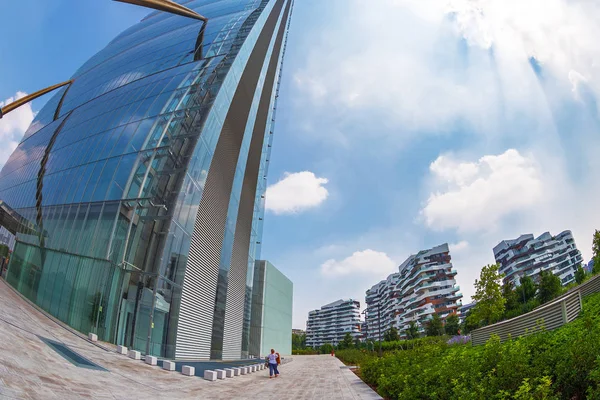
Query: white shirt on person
(272, 358)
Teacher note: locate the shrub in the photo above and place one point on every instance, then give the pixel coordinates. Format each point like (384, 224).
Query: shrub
(564, 363)
(304, 352)
(326, 348)
(354, 356)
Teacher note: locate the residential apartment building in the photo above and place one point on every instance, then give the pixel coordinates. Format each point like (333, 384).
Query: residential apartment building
(464, 309)
(330, 323)
(141, 183)
(529, 256)
(424, 285)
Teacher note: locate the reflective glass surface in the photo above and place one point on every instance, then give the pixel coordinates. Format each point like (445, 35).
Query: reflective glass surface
(113, 185)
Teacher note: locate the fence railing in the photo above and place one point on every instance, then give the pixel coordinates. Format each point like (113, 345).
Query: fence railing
(555, 314)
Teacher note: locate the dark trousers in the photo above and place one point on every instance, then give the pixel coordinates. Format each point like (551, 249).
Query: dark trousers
(273, 369)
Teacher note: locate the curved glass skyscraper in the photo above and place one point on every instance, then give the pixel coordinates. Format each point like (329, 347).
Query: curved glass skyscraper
(139, 187)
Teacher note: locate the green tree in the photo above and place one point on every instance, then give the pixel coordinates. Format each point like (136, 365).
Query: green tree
(470, 323)
(579, 275)
(488, 295)
(346, 343)
(452, 325)
(526, 289)
(4, 250)
(511, 296)
(298, 341)
(596, 252)
(412, 332)
(326, 348)
(549, 287)
(435, 326)
(391, 335)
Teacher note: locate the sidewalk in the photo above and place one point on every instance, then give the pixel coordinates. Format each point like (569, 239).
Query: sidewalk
(30, 369)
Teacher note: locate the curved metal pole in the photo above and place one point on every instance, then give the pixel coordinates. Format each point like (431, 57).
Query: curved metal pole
(15, 104)
(167, 6)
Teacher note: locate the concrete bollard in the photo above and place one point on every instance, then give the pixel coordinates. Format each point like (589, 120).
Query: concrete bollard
(237, 371)
(243, 370)
(122, 350)
(93, 337)
(210, 375)
(150, 360)
(229, 373)
(187, 370)
(220, 373)
(136, 355)
(168, 365)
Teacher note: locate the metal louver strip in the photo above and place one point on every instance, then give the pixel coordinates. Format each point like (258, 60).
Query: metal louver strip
(199, 292)
(235, 311)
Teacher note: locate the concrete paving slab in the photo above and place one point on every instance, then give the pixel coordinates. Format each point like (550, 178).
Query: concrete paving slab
(30, 369)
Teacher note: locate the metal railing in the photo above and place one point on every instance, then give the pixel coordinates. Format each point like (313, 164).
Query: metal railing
(555, 314)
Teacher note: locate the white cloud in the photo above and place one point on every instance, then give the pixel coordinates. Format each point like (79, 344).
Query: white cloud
(474, 196)
(296, 192)
(458, 247)
(426, 65)
(505, 73)
(368, 262)
(13, 125)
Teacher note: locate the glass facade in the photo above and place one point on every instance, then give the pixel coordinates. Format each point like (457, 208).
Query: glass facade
(123, 176)
(271, 322)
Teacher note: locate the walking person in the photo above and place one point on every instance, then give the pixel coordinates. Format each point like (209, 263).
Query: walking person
(273, 361)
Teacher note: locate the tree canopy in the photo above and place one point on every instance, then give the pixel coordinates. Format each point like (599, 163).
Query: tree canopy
(488, 295)
(511, 296)
(391, 335)
(347, 342)
(412, 332)
(298, 341)
(4, 250)
(549, 287)
(596, 252)
(435, 326)
(526, 289)
(579, 275)
(326, 348)
(452, 325)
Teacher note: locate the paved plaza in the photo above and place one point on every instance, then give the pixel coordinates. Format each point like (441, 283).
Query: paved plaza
(31, 369)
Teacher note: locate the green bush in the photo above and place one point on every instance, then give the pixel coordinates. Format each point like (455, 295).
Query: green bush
(326, 348)
(4, 250)
(561, 364)
(304, 352)
(409, 344)
(354, 356)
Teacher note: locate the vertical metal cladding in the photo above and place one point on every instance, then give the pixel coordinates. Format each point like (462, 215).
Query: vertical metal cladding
(236, 290)
(194, 332)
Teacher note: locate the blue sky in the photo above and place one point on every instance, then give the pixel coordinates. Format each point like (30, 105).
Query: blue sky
(399, 126)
